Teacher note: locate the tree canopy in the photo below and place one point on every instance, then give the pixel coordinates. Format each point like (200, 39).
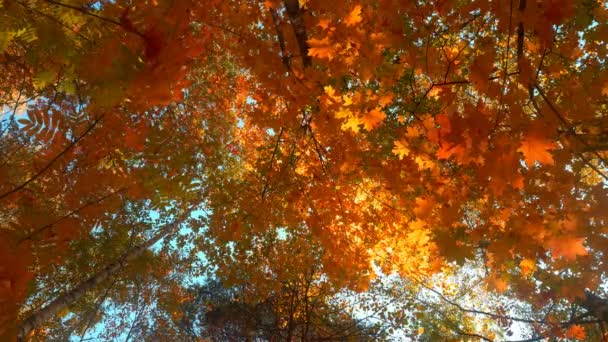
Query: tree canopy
(195, 163)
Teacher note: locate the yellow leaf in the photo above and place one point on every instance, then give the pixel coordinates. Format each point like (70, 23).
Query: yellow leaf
(352, 124)
(343, 113)
(347, 100)
(401, 149)
(527, 266)
(434, 93)
(43, 78)
(331, 92)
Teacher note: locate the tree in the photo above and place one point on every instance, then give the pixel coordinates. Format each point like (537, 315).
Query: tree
(69, 177)
(422, 133)
(406, 137)
(73, 295)
(287, 298)
(70, 139)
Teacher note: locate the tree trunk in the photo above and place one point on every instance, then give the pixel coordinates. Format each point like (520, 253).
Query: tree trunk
(73, 295)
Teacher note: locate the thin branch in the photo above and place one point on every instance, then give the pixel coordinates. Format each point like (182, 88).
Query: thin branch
(97, 306)
(281, 39)
(274, 152)
(573, 132)
(520, 31)
(53, 161)
(479, 312)
(55, 20)
(95, 15)
(73, 212)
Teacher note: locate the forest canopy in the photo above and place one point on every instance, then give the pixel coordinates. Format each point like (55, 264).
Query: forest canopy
(303, 170)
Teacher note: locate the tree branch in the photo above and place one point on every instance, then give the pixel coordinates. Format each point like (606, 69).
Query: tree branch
(297, 22)
(55, 159)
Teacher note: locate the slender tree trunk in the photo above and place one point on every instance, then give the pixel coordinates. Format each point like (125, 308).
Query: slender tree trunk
(73, 295)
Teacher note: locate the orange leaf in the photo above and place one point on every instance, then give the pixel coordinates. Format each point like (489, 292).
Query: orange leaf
(134, 139)
(576, 332)
(567, 246)
(535, 147)
(498, 283)
(320, 48)
(527, 266)
(373, 119)
(354, 17)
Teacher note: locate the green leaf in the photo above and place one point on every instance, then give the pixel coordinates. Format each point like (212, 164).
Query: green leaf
(5, 39)
(44, 78)
(27, 34)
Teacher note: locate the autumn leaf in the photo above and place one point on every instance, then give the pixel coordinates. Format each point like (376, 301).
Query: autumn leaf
(482, 67)
(354, 17)
(567, 246)
(320, 48)
(605, 89)
(498, 283)
(352, 124)
(401, 149)
(386, 99)
(527, 266)
(134, 139)
(535, 147)
(343, 113)
(576, 332)
(373, 118)
(331, 93)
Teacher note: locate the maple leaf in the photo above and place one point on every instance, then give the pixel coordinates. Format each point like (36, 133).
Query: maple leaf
(373, 118)
(424, 207)
(331, 93)
(567, 246)
(576, 332)
(320, 48)
(527, 266)
(401, 149)
(354, 17)
(343, 113)
(385, 100)
(535, 147)
(498, 283)
(481, 68)
(134, 139)
(324, 23)
(352, 124)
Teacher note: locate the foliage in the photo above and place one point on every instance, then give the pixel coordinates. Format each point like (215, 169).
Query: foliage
(363, 138)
